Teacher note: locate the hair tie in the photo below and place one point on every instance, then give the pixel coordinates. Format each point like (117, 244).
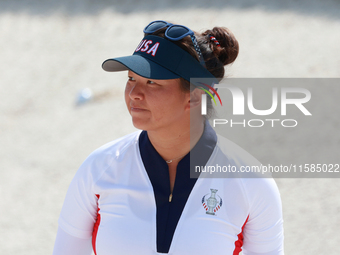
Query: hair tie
(212, 38)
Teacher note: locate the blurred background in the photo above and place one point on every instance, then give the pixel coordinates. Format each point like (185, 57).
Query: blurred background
(51, 50)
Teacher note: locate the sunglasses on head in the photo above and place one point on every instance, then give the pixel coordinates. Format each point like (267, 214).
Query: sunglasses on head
(175, 33)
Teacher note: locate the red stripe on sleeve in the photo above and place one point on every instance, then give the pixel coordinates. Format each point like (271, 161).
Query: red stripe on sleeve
(95, 228)
(239, 242)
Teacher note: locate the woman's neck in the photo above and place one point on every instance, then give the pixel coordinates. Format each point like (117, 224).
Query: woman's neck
(173, 144)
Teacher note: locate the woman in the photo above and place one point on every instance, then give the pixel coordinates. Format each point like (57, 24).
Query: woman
(135, 195)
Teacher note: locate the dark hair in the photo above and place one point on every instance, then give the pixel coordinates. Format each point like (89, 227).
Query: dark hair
(216, 54)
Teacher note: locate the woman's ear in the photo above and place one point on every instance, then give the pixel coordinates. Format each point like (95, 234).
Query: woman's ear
(195, 98)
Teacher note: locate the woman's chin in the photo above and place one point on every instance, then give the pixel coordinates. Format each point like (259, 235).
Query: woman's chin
(141, 123)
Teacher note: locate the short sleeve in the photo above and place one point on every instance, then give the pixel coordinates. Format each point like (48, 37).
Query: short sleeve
(79, 211)
(263, 232)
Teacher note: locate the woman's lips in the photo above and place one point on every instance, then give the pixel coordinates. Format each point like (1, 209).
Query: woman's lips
(136, 109)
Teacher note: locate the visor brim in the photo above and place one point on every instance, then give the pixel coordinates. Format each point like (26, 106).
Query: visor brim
(139, 65)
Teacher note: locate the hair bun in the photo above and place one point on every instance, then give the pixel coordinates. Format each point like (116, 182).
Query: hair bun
(229, 48)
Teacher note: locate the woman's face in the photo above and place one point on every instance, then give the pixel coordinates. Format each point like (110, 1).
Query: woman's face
(156, 104)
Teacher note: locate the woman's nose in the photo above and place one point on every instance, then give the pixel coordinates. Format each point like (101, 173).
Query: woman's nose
(136, 91)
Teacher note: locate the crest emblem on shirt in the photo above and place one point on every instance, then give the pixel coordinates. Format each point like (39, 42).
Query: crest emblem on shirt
(212, 203)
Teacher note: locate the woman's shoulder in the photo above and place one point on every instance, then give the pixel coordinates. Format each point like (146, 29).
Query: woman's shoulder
(103, 157)
(245, 163)
(120, 144)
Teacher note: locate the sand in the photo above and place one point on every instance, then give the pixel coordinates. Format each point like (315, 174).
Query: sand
(51, 50)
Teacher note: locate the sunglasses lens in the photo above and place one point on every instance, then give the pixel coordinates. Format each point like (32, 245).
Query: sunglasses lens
(155, 26)
(177, 32)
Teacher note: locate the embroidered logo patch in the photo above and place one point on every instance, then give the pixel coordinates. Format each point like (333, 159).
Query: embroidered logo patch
(212, 203)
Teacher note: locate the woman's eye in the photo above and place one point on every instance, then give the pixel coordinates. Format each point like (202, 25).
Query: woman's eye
(131, 78)
(151, 82)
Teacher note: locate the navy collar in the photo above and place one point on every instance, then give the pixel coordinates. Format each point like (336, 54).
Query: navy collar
(157, 169)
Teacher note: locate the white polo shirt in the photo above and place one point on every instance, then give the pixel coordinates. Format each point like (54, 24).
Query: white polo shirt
(120, 198)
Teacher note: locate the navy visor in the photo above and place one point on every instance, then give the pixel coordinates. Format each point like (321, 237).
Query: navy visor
(160, 59)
